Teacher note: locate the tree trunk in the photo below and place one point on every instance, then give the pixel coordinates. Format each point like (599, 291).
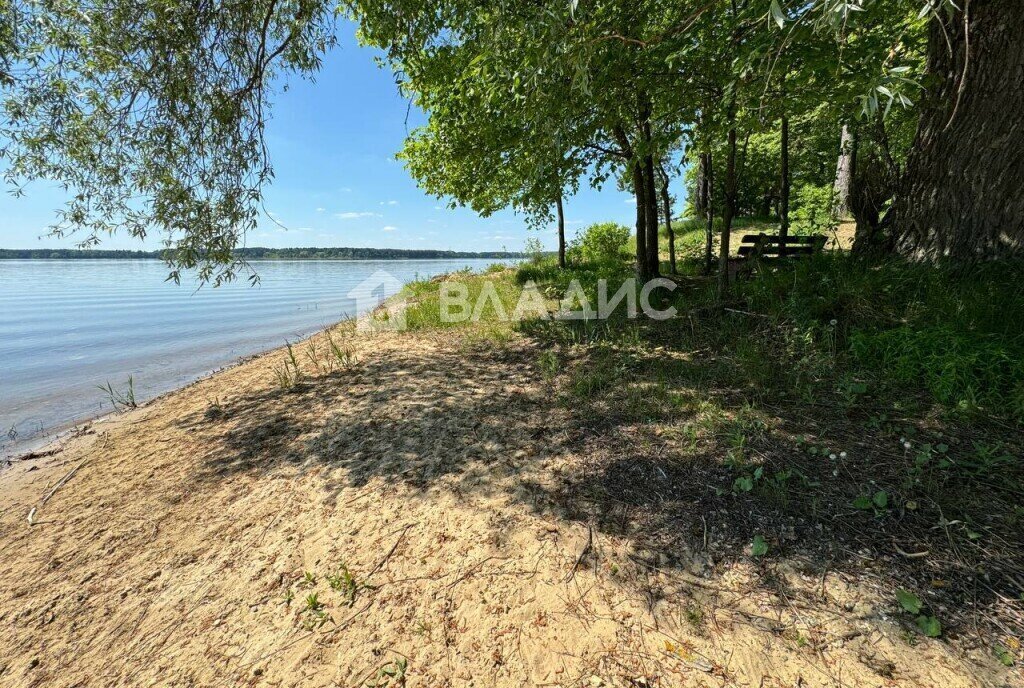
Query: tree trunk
(709, 212)
(651, 214)
(961, 194)
(666, 204)
(727, 216)
(784, 188)
(844, 175)
(700, 207)
(639, 190)
(561, 230)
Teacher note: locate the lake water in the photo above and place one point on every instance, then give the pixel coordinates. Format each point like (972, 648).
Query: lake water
(69, 326)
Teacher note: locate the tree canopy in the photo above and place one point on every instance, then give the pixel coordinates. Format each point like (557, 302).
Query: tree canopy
(152, 112)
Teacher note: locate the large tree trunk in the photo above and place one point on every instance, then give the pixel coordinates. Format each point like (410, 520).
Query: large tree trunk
(961, 195)
(561, 230)
(651, 213)
(640, 191)
(784, 188)
(709, 212)
(844, 175)
(666, 204)
(727, 216)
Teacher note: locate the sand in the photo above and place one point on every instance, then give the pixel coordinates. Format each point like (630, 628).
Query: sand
(184, 549)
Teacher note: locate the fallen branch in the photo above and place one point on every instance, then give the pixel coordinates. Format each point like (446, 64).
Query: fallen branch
(387, 556)
(60, 483)
(583, 554)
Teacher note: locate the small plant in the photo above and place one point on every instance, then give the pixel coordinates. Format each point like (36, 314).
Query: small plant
(759, 547)
(548, 363)
(926, 623)
(343, 357)
(314, 612)
(289, 374)
(345, 583)
(390, 674)
(745, 483)
(309, 579)
(879, 502)
(121, 400)
(313, 603)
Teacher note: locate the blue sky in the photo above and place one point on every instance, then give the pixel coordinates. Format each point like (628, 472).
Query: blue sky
(332, 143)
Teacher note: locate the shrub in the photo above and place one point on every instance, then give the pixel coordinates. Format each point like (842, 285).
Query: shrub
(811, 211)
(601, 242)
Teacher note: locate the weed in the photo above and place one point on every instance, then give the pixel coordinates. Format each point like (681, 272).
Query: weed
(345, 583)
(121, 400)
(390, 674)
(343, 357)
(548, 364)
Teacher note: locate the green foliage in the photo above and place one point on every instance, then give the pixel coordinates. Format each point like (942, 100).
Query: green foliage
(759, 547)
(812, 210)
(152, 114)
(118, 399)
(601, 242)
(897, 327)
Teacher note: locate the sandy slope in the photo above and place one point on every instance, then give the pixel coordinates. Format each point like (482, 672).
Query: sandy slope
(176, 554)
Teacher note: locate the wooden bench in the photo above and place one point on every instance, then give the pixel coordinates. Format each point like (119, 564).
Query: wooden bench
(755, 247)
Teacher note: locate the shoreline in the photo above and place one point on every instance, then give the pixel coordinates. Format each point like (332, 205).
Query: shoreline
(431, 502)
(43, 437)
(72, 430)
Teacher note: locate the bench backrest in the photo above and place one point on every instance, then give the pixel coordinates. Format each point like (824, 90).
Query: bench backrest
(770, 245)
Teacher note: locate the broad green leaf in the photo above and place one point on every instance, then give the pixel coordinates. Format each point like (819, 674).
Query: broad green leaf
(909, 601)
(929, 625)
(759, 547)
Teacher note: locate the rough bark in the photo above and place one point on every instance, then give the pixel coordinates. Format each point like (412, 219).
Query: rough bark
(651, 215)
(561, 230)
(666, 204)
(709, 212)
(784, 188)
(961, 195)
(727, 215)
(639, 190)
(844, 175)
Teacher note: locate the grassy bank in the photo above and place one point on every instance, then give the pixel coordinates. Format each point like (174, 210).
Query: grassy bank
(858, 417)
(747, 495)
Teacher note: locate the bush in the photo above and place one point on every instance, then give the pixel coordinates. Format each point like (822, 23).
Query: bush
(908, 327)
(811, 211)
(601, 242)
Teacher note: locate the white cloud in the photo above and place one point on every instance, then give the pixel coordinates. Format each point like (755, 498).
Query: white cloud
(319, 210)
(388, 228)
(389, 203)
(355, 216)
(630, 201)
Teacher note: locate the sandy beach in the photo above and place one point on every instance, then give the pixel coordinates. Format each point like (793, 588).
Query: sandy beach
(392, 522)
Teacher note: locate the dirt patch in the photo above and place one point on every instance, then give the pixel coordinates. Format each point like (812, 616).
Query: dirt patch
(403, 520)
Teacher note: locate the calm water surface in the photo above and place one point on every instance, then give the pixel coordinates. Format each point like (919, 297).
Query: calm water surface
(68, 326)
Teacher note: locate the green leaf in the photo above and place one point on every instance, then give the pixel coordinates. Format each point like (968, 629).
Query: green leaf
(777, 14)
(929, 625)
(909, 601)
(862, 502)
(759, 547)
(1003, 655)
(881, 499)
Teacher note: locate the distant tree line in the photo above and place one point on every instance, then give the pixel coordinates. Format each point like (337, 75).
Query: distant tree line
(256, 253)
